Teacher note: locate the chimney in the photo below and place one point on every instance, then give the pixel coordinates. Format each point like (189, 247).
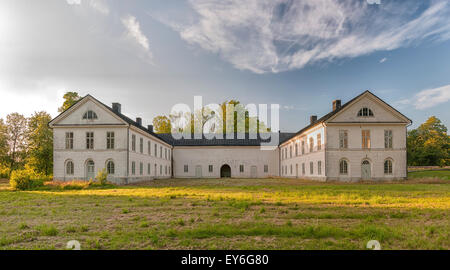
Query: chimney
(139, 121)
(336, 104)
(150, 128)
(313, 119)
(117, 107)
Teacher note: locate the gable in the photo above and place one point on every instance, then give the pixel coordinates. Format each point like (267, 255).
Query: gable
(74, 115)
(382, 112)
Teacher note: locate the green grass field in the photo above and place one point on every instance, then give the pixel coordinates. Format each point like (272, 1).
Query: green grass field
(230, 214)
(442, 174)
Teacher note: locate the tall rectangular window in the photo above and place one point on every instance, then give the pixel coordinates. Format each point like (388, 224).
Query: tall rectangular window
(156, 150)
(109, 140)
(303, 147)
(266, 168)
(296, 149)
(319, 142)
(186, 168)
(388, 139)
(69, 140)
(311, 144)
(89, 140)
(165, 169)
(290, 151)
(168, 152)
(141, 168)
(210, 168)
(291, 169)
(366, 139)
(133, 168)
(319, 167)
(241, 168)
(133, 142)
(160, 152)
(149, 169)
(160, 169)
(311, 168)
(165, 153)
(141, 145)
(303, 168)
(149, 148)
(343, 139)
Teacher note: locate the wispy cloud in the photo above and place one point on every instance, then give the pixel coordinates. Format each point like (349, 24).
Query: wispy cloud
(273, 36)
(98, 5)
(383, 60)
(134, 32)
(428, 98)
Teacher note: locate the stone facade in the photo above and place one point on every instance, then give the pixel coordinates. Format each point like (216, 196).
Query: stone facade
(362, 139)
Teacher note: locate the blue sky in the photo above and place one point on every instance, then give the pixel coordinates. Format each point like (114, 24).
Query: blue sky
(150, 55)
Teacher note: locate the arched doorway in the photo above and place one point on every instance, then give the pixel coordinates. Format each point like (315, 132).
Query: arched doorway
(225, 171)
(365, 170)
(90, 170)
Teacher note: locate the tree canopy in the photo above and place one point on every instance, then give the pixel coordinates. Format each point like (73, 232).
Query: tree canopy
(70, 98)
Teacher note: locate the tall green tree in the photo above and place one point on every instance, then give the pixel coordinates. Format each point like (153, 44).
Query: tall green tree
(4, 149)
(16, 127)
(429, 144)
(40, 143)
(161, 124)
(70, 98)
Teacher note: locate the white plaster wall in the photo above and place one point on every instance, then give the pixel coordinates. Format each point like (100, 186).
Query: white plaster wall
(217, 156)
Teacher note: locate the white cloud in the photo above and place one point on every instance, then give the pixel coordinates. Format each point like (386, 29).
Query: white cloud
(134, 32)
(273, 36)
(383, 60)
(98, 5)
(431, 97)
(73, 2)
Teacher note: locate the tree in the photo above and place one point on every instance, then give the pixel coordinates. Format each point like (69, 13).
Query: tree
(70, 98)
(16, 126)
(40, 143)
(4, 149)
(162, 124)
(429, 144)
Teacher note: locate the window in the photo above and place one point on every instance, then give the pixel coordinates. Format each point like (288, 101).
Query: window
(319, 142)
(343, 139)
(109, 140)
(149, 169)
(156, 150)
(168, 152)
(303, 147)
(110, 168)
(388, 166)
(210, 168)
(303, 168)
(291, 169)
(89, 140)
(165, 169)
(160, 152)
(241, 168)
(186, 168)
(296, 149)
(149, 148)
(160, 169)
(343, 167)
(141, 145)
(133, 168)
(69, 140)
(365, 112)
(266, 168)
(290, 151)
(366, 139)
(388, 139)
(165, 153)
(69, 167)
(141, 168)
(90, 115)
(311, 168)
(319, 167)
(133, 142)
(311, 145)
(170, 172)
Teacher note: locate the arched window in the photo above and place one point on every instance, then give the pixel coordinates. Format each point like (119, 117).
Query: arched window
(388, 166)
(69, 167)
(365, 112)
(110, 167)
(343, 167)
(90, 115)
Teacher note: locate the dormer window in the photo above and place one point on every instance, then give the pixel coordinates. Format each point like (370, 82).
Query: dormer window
(365, 112)
(90, 115)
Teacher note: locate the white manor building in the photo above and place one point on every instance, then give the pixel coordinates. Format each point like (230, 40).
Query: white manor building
(363, 139)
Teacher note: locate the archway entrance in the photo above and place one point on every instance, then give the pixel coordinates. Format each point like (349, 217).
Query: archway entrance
(365, 170)
(90, 169)
(225, 171)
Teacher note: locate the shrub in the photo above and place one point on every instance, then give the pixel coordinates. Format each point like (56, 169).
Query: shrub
(4, 171)
(26, 179)
(102, 176)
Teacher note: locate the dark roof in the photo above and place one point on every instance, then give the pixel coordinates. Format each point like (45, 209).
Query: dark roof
(330, 114)
(222, 142)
